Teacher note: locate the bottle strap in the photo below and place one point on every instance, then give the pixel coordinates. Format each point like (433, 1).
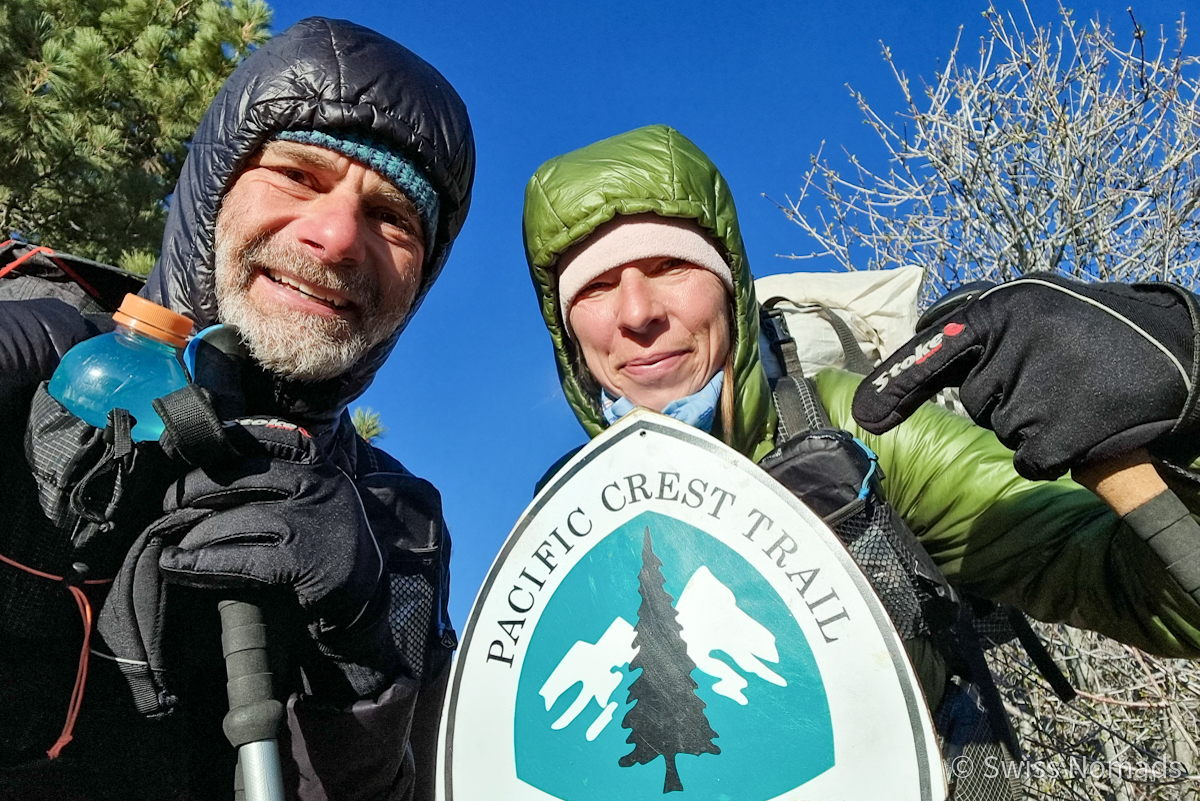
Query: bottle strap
(95, 498)
(1041, 657)
(191, 428)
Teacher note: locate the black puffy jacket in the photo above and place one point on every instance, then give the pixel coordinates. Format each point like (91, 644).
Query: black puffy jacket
(320, 73)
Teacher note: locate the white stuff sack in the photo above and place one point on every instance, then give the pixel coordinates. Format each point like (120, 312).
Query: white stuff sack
(879, 306)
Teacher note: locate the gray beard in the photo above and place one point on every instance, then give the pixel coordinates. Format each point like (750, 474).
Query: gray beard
(287, 341)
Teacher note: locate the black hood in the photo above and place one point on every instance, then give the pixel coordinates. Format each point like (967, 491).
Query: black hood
(318, 74)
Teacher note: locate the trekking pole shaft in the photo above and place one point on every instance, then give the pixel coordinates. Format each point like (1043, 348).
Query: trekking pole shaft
(254, 717)
(261, 777)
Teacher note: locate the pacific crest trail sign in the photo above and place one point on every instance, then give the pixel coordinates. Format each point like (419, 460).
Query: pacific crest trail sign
(665, 618)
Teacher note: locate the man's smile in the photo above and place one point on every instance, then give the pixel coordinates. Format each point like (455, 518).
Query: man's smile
(285, 289)
(313, 291)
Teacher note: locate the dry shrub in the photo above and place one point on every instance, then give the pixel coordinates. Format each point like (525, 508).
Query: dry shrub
(1133, 733)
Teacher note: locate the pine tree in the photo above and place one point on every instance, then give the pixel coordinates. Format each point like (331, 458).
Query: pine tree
(97, 101)
(668, 717)
(367, 423)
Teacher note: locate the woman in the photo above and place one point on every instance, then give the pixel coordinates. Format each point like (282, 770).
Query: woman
(634, 248)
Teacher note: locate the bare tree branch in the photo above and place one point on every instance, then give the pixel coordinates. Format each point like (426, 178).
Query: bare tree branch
(1058, 150)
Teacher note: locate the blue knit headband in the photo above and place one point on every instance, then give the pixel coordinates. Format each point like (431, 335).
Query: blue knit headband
(398, 170)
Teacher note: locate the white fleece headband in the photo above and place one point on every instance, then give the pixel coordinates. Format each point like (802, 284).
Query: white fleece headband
(629, 238)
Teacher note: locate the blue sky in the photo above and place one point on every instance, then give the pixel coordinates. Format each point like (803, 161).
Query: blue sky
(470, 396)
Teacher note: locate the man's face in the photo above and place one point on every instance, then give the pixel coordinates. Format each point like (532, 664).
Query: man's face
(318, 259)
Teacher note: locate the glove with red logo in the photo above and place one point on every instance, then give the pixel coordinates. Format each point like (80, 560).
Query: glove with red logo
(1065, 373)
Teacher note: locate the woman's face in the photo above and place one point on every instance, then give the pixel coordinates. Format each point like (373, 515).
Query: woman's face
(653, 330)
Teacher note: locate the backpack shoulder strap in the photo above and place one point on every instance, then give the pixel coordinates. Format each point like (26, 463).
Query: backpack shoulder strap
(800, 410)
(856, 360)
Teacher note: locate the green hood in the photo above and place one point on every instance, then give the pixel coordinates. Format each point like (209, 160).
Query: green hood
(653, 169)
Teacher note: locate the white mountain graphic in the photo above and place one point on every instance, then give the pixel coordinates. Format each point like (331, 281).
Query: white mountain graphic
(711, 621)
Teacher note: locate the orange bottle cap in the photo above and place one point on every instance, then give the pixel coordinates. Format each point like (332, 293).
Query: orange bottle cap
(158, 322)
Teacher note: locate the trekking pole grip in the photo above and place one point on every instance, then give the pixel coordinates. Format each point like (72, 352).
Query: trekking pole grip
(1130, 484)
(255, 716)
(1124, 482)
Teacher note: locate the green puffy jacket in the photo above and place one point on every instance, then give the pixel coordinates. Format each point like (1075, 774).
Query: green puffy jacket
(1050, 548)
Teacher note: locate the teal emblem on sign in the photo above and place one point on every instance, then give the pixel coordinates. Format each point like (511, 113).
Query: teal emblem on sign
(666, 663)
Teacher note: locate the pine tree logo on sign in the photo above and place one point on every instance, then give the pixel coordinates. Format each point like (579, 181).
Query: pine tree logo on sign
(665, 619)
(667, 717)
(668, 695)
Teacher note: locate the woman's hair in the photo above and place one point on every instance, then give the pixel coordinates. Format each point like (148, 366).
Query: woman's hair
(587, 381)
(728, 389)
(727, 399)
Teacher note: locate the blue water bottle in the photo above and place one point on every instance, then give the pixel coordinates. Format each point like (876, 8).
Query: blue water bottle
(127, 368)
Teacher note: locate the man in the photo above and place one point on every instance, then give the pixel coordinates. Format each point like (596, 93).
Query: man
(318, 204)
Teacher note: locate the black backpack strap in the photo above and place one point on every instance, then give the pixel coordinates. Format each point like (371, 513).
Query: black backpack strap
(1041, 657)
(780, 339)
(856, 360)
(970, 650)
(800, 411)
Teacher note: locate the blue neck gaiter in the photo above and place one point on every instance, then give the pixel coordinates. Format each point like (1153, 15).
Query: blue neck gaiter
(698, 410)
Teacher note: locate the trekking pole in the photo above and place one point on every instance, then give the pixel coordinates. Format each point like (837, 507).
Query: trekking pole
(254, 717)
(1131, 485)
(214, 360)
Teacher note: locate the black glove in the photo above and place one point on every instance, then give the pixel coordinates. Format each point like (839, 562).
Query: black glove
(1065, 373)
(284, 516)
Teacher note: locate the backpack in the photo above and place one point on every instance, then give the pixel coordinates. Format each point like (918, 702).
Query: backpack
(64, 454)
(73, 491)
(32, 271)
(876, 309)
(838, 476)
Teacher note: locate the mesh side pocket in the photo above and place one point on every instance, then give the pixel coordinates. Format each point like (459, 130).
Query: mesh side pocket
(965, 731)
(869, 537)
(60, 449)
(410, 616)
